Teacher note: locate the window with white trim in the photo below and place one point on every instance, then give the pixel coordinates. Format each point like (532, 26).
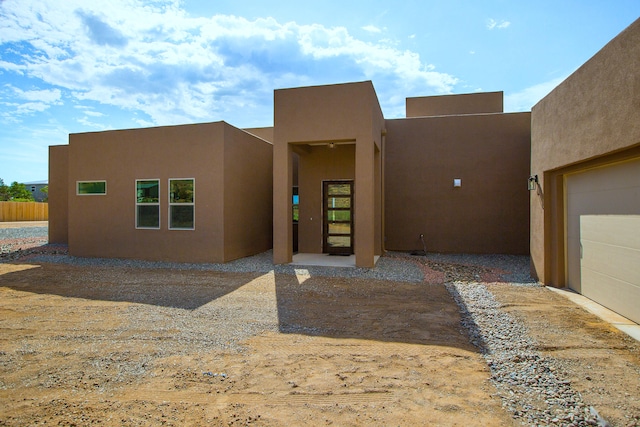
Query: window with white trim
(182, 204)
(148, 203)
(91, 188)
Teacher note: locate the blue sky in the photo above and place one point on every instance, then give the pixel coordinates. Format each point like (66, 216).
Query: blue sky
(83, 66)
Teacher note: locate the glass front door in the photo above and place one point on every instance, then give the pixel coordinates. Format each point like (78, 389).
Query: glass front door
(338, 217)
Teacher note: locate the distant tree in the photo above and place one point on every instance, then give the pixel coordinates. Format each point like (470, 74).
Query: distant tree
(4, 191)
(45, 190)
(19, 193)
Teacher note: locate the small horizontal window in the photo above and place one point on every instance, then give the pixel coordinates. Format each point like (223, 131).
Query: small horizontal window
(91, 188)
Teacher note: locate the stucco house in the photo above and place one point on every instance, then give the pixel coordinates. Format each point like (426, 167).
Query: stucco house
(331, 176)
(366, 184)
(585, 171)
(192, 193)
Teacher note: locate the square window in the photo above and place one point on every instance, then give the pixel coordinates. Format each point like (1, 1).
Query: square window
(181, 217)
(181, 191)
(148, 216)
(148, 191)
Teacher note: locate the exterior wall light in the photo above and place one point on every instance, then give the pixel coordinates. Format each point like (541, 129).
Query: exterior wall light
(533, 182)
(332, 145)
(457, 182)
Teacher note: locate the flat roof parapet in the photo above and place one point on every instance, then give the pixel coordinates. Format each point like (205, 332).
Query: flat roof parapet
(453, 105)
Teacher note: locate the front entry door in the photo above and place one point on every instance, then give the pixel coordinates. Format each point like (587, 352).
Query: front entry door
(338, 217)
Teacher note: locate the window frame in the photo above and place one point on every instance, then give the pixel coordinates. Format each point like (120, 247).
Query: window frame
(171, 204)
(78, 193)
(148, 204)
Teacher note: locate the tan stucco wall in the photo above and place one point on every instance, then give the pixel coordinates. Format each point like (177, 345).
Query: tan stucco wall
(248, 195)
(58, 194)
(489, 213)
(323, 114)
(591, 118)
(104, 226)
(265, 133)
(446, 105)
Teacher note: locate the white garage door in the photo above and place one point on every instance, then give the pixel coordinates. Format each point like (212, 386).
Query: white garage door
(603, 236)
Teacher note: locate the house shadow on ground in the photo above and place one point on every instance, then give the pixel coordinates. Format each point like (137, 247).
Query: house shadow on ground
(306, 304)
(184, 289)
(387, 311)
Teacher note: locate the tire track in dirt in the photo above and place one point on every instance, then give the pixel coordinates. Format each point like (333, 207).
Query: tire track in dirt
(266, 398)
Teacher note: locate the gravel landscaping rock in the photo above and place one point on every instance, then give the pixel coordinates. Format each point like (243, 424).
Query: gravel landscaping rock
(394, 269)
(13, 241)
(530, 385)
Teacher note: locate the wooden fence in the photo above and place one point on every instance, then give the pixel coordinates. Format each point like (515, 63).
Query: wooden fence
(23, 211)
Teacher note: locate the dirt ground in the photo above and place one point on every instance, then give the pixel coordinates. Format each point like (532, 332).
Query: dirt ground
(123, 346)
(601, 362)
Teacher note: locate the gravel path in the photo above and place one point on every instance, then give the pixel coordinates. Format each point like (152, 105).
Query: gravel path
(528, 383)
(17, 239)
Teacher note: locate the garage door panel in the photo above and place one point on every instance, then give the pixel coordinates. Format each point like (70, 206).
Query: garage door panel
(573, 226)
(615, 261)
(610, 264)
(621, 297)
(614, 230)
(613, 201)
(618, 262)
(603, 235)
(573, 269)
(605, 178)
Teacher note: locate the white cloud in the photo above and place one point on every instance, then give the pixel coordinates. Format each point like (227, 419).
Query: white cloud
(500, 25)
(372, 29)
(143, 123)
(527, 98)
(32, 107)
(46, 96)
(10, 66)
(88, 123)
(18, 102)
(154, 58)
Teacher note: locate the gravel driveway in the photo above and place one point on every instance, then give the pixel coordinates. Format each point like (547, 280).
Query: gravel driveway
(535, 383)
